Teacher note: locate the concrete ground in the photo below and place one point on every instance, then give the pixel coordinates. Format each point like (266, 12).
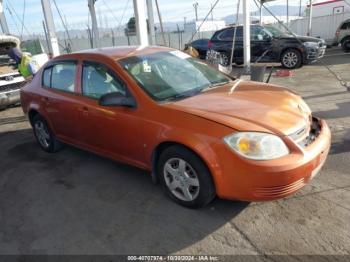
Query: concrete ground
(75, 202)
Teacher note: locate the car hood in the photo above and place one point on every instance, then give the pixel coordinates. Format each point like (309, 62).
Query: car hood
(249, 106)
(303, 38)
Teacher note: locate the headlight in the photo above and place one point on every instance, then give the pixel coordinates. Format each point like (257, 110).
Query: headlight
(257, 146)
(310, 44)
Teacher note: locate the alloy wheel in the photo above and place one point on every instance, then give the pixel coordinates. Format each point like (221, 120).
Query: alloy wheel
(290, 59)
(42, 134)
(181, 179)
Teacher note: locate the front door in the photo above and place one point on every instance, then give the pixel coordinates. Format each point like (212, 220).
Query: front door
(114, 130)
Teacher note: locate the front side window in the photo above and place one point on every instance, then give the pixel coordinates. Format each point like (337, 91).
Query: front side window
(258, 33)
(63, 77)
(98, 80)
(171, 75)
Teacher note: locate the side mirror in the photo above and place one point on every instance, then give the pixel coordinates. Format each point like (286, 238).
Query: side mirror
(116, 99)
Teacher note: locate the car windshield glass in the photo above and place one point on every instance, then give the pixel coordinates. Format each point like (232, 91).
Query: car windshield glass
(171, 75)
(276, 32)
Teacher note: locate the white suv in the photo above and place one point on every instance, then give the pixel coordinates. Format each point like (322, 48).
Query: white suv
(342, 35)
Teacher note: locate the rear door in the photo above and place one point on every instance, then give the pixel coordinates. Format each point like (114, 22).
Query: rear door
(224, 41)
(59, 96)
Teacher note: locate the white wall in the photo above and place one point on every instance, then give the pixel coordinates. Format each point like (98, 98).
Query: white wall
(322, 26)
(323, 8)
(206, 26)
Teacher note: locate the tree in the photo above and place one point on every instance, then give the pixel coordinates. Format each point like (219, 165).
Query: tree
(130, 27)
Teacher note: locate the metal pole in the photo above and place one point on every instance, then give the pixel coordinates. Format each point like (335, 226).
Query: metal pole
(309, 31)
(287, 13)
(95, 33)
(260, 13)
(47, 39)
(161, 23)
(212, 15)
(140, 22)
(195, 5)
(300, 8)
(3, 22)
(50, 27)
(152, 36)
(246, 34)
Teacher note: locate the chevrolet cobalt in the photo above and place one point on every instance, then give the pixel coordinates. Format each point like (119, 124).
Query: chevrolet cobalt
(198, 132)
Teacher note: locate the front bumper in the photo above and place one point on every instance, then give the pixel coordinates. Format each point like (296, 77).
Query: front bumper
(314, 53)
(9, 98)
(268, 180)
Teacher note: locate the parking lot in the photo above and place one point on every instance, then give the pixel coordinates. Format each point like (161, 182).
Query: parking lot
(74, 202)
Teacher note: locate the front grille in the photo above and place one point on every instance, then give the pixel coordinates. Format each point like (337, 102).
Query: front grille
(278, 191)
(315, 130)
(12, 86)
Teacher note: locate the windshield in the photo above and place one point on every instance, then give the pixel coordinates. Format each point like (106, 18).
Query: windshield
(171, 75)
(276, 32)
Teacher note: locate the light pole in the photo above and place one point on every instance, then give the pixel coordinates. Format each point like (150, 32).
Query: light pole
(195, 5)
(309, 31)
(95, 33)
(246, 34)
(50, 27)
(152, 36)
(140, 21)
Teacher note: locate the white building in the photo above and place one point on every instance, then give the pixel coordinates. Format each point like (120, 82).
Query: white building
(206, 26)
(330, 7)
(327, 15)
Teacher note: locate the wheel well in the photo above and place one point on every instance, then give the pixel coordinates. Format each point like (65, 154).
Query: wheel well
(345, 38)
(158, 151)
(31, 114)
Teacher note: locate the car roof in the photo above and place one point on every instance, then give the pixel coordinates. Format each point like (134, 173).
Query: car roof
(120, 52)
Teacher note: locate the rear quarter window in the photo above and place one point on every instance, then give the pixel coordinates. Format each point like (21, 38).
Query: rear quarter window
(47, 77)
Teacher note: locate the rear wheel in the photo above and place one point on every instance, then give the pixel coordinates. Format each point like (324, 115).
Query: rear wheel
(291, 59)
(185, 177)
(345, 44)
(45, 138)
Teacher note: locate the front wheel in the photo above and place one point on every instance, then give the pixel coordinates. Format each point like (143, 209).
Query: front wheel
(291, 59)
(44, 136)
(185, 177)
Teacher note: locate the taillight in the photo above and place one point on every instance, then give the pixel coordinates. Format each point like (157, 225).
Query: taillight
(210, 44)
(337, 33)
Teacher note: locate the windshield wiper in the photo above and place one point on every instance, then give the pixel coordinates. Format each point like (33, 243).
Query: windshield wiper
(184, 95)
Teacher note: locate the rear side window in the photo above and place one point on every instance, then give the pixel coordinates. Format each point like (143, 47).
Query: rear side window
(63, 76)
(60, 76)
(227, 35)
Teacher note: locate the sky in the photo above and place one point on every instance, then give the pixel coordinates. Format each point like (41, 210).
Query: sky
(111, 13)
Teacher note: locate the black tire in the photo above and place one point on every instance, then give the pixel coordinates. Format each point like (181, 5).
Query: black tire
(205, 191)
(52, 145)
(291, 58)
(345, 45)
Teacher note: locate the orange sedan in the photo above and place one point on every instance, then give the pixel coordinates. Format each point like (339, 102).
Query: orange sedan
(198, 132)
